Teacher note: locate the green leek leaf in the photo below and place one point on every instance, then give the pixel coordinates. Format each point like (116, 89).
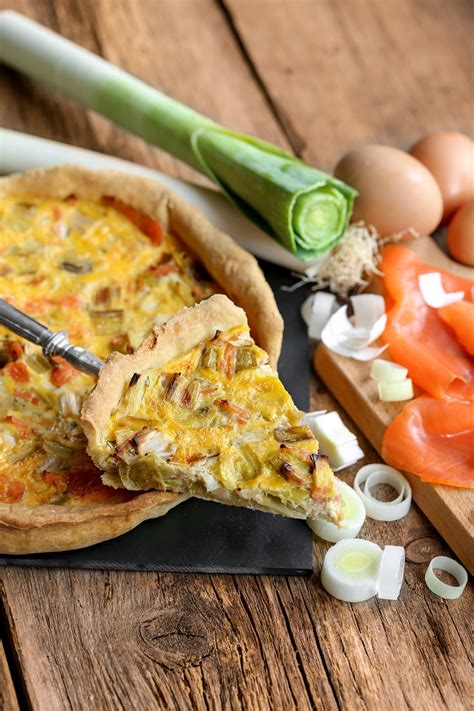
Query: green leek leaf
(301, 207)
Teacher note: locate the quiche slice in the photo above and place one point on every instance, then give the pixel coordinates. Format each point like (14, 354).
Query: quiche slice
(199, 409)
(105, 256)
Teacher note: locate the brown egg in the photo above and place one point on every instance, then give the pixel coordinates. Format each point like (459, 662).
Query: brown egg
(449, 156)
(396, 191)
(461, 234)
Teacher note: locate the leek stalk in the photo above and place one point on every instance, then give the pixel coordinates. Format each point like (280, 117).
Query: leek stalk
(306, 210)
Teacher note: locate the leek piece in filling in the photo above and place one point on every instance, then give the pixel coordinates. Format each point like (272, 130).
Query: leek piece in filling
(301, 207)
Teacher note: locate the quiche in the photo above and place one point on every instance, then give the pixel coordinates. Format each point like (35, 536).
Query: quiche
(198, 409)
(105, 256)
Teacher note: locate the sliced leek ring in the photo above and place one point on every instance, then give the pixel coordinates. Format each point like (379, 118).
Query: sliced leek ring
(354, 517)
(383, 477)
(448, 592)
(383, 510)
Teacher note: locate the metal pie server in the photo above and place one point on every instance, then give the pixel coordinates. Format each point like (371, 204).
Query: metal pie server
(53, 343)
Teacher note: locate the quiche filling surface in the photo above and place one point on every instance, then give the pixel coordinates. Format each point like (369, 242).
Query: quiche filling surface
(218, 420)
(106, 274)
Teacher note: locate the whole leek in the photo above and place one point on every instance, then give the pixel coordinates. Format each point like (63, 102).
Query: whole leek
(303, 208)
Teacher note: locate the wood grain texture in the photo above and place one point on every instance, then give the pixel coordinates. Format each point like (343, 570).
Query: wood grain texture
(120, 640)
(341, 74)
(182, 47)
(450, 510)
(8, 699)
(139, 639)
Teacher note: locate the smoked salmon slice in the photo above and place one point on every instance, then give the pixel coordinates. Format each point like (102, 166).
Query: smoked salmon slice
(460, 316)
(433, 439)
(416, 335)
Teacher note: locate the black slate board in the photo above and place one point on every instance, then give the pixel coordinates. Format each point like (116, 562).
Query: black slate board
(196, 537)
(203, 537)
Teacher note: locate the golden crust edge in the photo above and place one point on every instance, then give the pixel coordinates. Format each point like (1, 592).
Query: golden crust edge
(180, 334)
(28, 531)
(234, 269)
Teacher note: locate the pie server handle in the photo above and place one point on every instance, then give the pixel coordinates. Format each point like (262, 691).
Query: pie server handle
(53, 343)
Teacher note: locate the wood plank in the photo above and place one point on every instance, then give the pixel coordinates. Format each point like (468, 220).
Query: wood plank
(225, 642)
(161, 46)
(450, 510)
(8, 698)
(340, 74)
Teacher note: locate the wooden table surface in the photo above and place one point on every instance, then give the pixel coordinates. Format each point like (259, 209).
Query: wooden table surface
(318, 77)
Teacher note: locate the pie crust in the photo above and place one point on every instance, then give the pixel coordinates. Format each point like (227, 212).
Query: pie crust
(48, 528)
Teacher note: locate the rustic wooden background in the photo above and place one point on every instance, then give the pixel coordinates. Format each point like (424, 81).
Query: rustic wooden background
(318, 77)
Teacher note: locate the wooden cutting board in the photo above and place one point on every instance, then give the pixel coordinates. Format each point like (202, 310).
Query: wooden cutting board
(450, 510)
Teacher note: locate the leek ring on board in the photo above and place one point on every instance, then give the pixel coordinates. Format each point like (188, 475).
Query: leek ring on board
(383, 510)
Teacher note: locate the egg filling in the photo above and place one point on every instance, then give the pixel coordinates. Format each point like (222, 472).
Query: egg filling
(104, 273)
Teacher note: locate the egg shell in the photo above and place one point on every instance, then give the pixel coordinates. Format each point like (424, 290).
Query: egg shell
(461, 234)
(449, 156)
(396, 191)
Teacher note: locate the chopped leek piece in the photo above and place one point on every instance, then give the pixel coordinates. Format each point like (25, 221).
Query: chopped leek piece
(388, 372)
(69, 403)
(77, 266)
(298, 433)
(148, 440)
(335, 440)
(396, 392)
(346, 456)
(245, 358)
(135, 395)
(210, 358)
